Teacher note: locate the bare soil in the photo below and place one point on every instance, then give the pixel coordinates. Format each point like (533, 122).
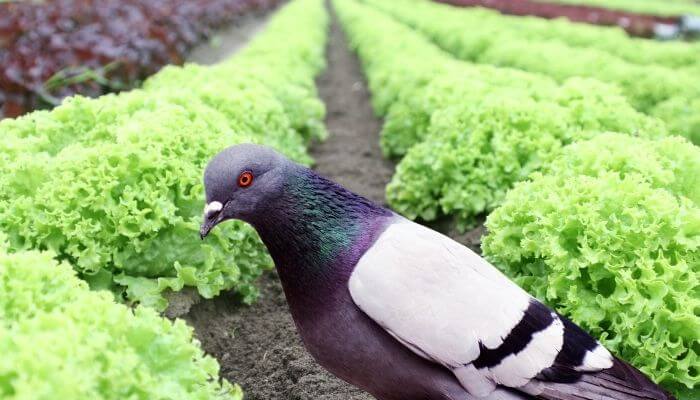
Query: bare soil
(229, 40)
(351, 156)
(258, 346)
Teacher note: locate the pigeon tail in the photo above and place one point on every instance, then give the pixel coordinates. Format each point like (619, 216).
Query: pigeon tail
(620, 382)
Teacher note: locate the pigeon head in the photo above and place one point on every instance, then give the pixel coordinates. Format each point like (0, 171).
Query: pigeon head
(305, 220)
(240, 182)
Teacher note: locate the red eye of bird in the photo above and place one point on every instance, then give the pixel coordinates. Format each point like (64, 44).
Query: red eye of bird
(245, 179)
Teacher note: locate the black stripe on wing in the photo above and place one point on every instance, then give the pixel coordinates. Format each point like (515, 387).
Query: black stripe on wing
(562, 381)
(537, 317)
(576, 344)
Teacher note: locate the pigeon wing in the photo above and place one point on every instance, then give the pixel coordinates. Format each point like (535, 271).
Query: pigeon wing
(450, 306)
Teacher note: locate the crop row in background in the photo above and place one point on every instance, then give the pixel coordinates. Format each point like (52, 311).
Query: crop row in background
(54, 49)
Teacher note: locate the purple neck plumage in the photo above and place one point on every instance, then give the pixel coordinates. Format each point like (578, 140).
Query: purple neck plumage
(316, 232)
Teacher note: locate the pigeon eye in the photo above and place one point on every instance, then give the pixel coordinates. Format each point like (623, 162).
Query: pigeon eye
(245, 179)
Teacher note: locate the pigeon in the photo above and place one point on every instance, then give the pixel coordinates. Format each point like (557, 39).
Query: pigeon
(399, 310)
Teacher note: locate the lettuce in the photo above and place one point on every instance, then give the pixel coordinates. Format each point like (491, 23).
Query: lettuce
(113, 185)
(59, 340)
(507, 42)
(383, 49)
(408, 120)
(495, 26)
(474, 152)
(610, 236)
(669, 163)
(470, 131)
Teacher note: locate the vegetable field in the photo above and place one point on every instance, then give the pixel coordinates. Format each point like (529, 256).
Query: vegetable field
(573, 148)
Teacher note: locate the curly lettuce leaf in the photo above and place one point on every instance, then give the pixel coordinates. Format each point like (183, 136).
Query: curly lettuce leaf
(61, 340)
(611, 238)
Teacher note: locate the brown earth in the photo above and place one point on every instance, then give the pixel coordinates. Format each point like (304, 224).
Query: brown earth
(229, 40)
(257, 346)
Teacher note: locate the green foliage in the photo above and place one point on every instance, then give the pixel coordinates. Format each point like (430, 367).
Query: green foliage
(496, 39)
(681, 115)
(494, 26)
(113, 185)
(286, 67)
(130, 208)
(59, 340)
(409, 118)
(477, 129)
(474, 154)
(610, 237)
(669, 163)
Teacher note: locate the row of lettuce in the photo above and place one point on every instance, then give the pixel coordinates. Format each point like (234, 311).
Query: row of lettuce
(61, 340)
(597, 207)
(613, 41)
(110, 190)
(668, 90)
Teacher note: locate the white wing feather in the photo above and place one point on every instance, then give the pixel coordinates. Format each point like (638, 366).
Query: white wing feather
(441, 300)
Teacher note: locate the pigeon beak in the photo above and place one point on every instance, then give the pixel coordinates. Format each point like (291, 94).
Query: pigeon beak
(212, 216)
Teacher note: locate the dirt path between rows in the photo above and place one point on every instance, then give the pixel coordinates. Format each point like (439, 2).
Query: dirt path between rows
(351, 156)
(229, 40)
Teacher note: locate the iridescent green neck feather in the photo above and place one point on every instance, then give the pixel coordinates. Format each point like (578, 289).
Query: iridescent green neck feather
(317, 227)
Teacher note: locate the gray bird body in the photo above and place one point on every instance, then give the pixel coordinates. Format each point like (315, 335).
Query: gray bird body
(349, 344)
(399, 310)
